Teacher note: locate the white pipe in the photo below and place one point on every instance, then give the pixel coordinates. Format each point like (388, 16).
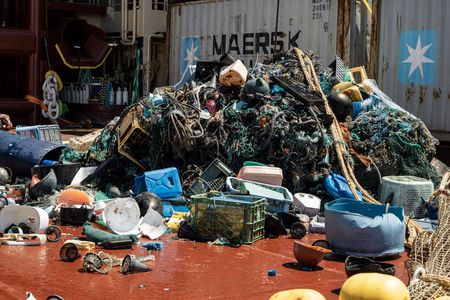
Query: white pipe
(149, 58)
(125, 40)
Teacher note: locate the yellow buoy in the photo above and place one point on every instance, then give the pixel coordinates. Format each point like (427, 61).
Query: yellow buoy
(373, 286)
(298, 294)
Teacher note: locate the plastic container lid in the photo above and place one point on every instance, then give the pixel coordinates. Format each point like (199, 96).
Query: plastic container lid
(122, 216)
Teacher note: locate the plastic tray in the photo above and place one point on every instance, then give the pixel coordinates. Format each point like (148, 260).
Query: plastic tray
(215, 215)
(278, 198)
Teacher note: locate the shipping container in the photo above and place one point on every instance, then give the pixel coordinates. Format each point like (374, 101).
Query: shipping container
(249, 30)
(414, 59)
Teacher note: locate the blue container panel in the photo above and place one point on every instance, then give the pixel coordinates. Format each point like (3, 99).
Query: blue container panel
(165, 183)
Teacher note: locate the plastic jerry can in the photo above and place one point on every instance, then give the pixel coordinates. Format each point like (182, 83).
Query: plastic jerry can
(263, 174)
(165, 183)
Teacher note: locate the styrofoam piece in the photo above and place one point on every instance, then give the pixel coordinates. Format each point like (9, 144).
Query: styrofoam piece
(153, 218)
(32, 240)
(317, 225)
(306, 203)
(152, 232)
(82, 174)
(263, 174)
(122, 216)
(34, 217)
(234, 74)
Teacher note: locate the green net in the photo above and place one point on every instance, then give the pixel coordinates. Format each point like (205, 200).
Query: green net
(397, 142)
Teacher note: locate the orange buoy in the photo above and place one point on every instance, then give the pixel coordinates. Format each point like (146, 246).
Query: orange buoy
(73, 197)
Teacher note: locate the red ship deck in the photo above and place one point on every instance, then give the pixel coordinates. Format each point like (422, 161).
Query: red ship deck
(182, 270)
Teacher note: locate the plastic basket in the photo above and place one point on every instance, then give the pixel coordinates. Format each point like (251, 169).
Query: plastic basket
(278, 198)
(408, 191)
(212, 178)
(47, 133)
(215, 215)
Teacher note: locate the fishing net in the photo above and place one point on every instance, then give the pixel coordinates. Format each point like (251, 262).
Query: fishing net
(196, 124)
(430, 255)
(396, 141)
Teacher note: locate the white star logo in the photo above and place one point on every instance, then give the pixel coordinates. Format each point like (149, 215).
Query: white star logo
(417, 57)
(190, 54)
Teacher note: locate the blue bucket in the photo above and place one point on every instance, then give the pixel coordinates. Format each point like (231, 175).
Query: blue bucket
(357, 228)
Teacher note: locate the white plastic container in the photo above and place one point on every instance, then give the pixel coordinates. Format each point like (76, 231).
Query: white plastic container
(34, 217)
(307, 204)
(263, 174)
(408, 191)
(119, 96)
(234, 74)
(125, 96)
(122, 216)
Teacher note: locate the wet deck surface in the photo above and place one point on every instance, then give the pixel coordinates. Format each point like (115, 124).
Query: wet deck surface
(182, 270)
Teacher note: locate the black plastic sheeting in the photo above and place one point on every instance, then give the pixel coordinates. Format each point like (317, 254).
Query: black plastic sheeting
(20, 153)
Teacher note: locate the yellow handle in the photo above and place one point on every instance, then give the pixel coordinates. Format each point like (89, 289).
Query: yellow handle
(82, 245)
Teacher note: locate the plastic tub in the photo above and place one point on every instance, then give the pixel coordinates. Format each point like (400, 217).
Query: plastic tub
(357, 228)
(263, 174)
(278, 198)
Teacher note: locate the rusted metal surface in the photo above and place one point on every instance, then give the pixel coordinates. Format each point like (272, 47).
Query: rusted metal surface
(247, 28)
(182, 270)
(374, 39)
(343, 30)
(423, 88)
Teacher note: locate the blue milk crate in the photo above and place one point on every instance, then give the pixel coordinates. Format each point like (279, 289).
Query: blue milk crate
(165, 183)
(47, 133)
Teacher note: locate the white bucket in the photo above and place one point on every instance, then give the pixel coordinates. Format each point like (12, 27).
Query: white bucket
(34, 217)
(122, 216)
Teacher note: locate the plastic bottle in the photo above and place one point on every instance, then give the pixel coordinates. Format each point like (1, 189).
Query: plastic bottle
(86, 94)
(125, 96)
(119, 96)
(112, 97)
(71, 94)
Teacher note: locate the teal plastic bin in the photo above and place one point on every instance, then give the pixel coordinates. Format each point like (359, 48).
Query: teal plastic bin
(354, 227)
